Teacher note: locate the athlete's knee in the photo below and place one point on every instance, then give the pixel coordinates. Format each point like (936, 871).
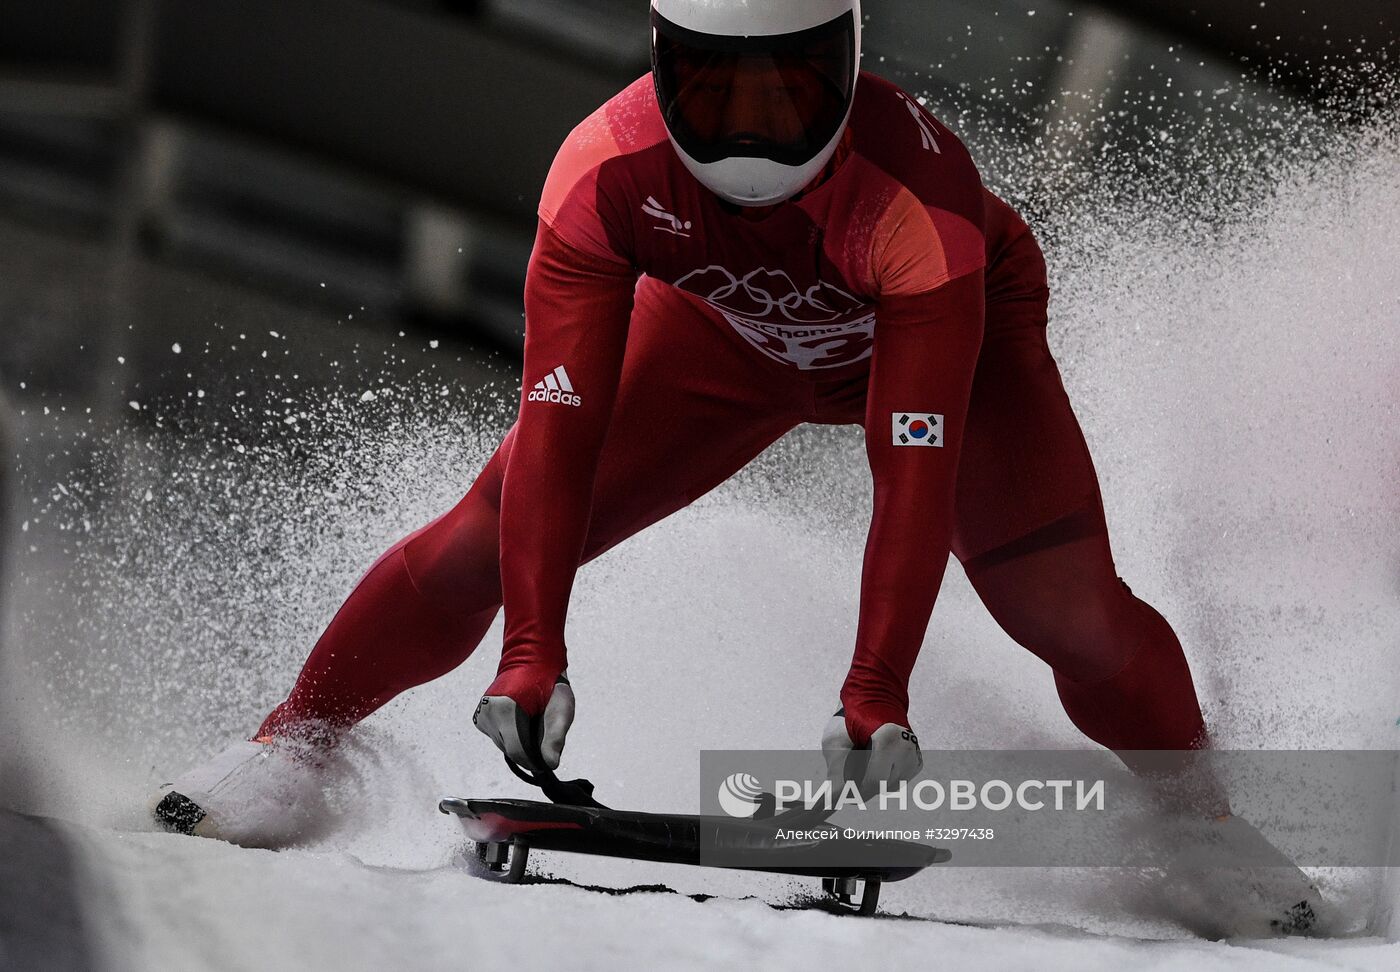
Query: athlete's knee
(454, 562)
(1123, 627)
(1085, 627)
(1149, 703)
(1018, 270)
(1092, 640)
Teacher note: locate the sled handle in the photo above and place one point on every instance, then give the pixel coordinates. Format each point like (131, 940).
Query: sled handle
(573, 793)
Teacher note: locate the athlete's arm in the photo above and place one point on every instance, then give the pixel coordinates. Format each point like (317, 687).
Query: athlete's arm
(926, 348)
(577, 310)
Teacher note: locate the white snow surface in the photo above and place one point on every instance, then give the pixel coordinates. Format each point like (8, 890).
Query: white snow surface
(1236, 378)
(188, 904)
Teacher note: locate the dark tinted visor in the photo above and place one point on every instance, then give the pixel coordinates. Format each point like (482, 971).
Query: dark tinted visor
(782, 97)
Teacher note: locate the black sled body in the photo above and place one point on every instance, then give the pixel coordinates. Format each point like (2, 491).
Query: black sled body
(505, 830)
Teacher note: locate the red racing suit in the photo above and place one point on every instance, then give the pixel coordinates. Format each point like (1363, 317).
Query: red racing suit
(875, 273)
(671, 337)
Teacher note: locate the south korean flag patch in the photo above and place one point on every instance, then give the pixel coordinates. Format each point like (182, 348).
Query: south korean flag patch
(918, 429)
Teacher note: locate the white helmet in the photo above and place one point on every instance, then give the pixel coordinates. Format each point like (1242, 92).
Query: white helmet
(756, 94)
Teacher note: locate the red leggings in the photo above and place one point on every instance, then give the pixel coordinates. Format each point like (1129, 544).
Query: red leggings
(694, 406)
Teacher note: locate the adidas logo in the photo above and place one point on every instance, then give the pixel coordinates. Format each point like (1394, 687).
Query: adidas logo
(556, 388)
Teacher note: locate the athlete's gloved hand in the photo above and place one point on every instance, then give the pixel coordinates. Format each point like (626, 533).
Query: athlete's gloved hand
(891, 755)
(535, 742)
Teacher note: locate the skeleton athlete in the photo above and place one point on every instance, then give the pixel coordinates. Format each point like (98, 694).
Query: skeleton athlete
(755, 236)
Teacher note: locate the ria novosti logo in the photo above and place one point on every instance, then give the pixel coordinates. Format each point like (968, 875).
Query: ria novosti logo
(739, 795)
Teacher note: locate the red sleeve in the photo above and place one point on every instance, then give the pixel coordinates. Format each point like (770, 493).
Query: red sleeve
(926, 348)
(577, 310)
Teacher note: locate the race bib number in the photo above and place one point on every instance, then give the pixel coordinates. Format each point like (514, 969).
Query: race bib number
(810, 348)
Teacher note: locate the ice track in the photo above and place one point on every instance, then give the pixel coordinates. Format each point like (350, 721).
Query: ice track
(181, 903)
